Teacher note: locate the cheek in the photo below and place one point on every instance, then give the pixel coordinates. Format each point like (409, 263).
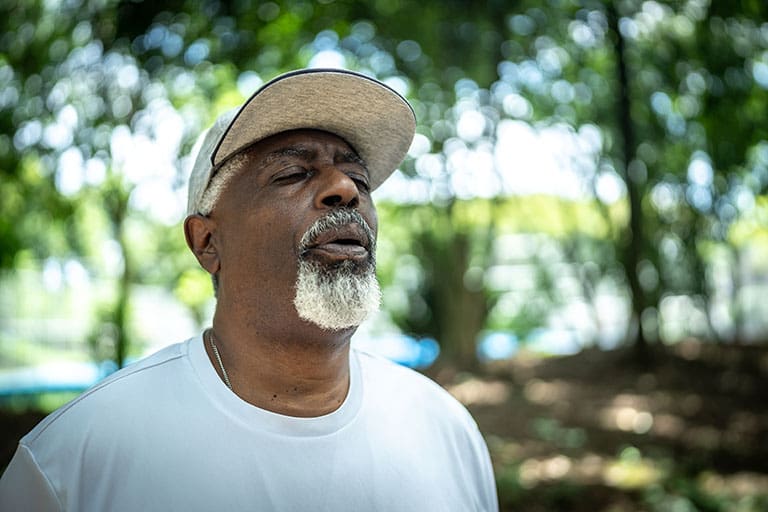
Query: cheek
(373, 221)
(277, 232)
(260, 240)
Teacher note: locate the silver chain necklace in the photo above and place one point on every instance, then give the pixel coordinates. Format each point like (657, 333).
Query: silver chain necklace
(218, 358)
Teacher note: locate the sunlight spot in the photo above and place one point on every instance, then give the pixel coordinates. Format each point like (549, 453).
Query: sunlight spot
(473, 173)
(589, 468)
(553, 155)
(95, 171)
(429, 165)
(52, 275)
(503, 450)
(57, 135)
(630, 400)
(743, 422)
(623, 418)
(760, 73)
(609, 188)
(420, 146)
(471, 125)
(631, 477)
(76, 274)
(632, 473)
(517, 106)
(248, 82)
(627, 419)
(328, 59)
(533, 471)
(529, 473)
(629, 471)
(668, 425)
(69, 175)
(700, 170)
(556, 467)
(642, 422)
(128, 76)
(478, 392)
(689, 349)
(399, 84)
(545, 393)
(743, 484)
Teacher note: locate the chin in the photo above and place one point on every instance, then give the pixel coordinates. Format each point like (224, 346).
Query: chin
(337, 298)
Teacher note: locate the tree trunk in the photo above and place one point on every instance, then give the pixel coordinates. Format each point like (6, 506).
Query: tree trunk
(117, 207)
(634, 243)
(123, 301)
(460, 310)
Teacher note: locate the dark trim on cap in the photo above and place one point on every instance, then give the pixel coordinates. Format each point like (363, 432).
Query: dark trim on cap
(289, 75)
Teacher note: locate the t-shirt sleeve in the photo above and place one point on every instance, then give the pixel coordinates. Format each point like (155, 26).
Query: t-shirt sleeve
(25, 487)
(487, 481)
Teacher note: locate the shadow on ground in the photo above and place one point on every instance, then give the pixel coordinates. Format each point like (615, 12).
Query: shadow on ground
(685, 429)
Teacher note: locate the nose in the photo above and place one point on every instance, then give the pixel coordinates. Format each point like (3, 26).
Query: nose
(337, 189)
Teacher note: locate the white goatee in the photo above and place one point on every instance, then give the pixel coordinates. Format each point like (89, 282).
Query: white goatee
(335, 299)
(342, 295)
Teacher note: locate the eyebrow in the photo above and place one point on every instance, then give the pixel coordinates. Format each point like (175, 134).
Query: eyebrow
(297, 151)
(351, 157)
(300, 151)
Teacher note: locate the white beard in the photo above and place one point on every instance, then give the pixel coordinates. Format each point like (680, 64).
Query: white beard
(336, 298)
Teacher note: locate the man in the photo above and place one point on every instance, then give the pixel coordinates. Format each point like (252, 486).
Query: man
(270, 409)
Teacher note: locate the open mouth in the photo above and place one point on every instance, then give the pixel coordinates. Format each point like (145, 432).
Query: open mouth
(346, 241)
(349, 241)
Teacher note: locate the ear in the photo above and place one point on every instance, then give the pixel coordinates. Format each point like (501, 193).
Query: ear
(199, 230)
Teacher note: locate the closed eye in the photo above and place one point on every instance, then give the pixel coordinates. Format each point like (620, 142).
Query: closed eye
(291, 175)
(361, 182)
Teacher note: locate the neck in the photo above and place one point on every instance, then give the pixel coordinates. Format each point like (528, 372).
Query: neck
(303, 372)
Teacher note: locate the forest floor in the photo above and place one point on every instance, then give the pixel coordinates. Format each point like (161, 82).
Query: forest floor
(684, 430)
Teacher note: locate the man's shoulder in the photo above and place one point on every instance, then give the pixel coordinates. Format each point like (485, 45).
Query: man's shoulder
(119, 392)
(371, 363)
(407, 386)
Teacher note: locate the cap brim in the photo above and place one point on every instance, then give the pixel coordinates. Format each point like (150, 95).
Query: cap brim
(372, 118)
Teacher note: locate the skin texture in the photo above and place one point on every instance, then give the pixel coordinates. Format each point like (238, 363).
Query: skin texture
(276, 360)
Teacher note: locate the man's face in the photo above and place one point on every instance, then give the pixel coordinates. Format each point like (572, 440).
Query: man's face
(297, 224)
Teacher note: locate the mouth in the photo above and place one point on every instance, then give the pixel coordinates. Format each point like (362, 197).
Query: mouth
(349, 241)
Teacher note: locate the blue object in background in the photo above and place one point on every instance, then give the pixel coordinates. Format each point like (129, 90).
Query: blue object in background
(53, 377)
(402, 349)
(67, 376)
(556, 342)
(497, 345)
(501, 345)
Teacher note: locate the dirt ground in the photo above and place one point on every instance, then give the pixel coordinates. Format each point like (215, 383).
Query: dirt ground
(686, 429)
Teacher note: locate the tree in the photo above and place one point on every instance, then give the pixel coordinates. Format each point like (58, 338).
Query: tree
(651, 84)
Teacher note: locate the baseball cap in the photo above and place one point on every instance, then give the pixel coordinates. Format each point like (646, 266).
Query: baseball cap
(376, 121)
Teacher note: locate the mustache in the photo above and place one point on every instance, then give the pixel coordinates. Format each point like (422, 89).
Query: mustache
(335, 219)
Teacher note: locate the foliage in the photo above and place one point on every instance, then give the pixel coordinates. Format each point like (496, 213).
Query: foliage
(667, 216)
(663, 101)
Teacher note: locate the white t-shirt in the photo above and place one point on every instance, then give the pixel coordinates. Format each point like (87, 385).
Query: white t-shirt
(166, 434)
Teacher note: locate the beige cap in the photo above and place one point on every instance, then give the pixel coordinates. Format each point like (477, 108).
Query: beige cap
(375, 120)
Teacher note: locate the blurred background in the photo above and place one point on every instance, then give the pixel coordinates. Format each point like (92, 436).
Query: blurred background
(576, 246)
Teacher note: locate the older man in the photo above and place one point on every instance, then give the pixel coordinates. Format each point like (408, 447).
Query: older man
(270, 409)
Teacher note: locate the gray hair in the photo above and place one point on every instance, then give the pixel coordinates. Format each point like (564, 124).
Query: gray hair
(217, 185)
(220, 181)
